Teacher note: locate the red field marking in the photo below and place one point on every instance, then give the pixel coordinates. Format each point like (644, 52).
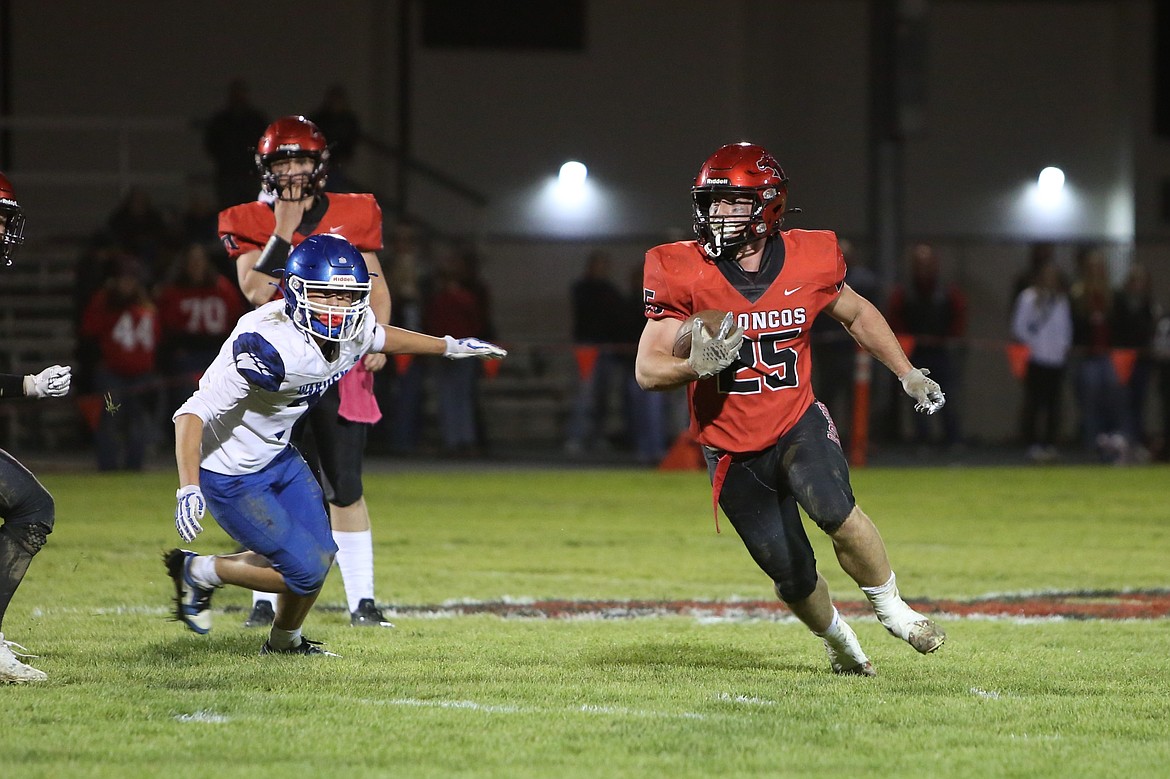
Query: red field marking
(1146, 604)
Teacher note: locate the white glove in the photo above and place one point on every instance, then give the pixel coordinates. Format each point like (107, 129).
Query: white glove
(461, 348)
(711, 354)
(52, 382)
(928, 396)
(189, 511)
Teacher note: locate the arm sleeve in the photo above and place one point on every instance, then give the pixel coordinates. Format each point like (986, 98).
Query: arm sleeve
(11, 386)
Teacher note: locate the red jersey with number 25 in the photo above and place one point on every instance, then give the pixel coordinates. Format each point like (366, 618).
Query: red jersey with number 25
(749, 406)
(355, 217)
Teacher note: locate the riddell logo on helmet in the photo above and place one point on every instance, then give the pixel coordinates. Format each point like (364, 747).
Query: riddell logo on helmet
(718, 181)
(289, 147)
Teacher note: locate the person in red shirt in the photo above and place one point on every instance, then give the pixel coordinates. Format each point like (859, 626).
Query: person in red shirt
(124, 323)
(198, 308)
(293, 158)
(770, 445)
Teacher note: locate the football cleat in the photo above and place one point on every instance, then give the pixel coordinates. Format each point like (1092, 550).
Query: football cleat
(306, 647)
(12, 670)
(926, 636)
(262, 615)
(192, 602)
(368, 615)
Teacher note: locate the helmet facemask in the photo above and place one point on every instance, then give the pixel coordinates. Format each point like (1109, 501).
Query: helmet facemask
(330, 321)
(311, 182)
(13, 228)
(740, 223)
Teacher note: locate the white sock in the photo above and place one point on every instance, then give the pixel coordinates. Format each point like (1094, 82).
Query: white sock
(355, 558)
(893, 612)
(203, 573)
(258, 596)
(841, 642)
(284, 639)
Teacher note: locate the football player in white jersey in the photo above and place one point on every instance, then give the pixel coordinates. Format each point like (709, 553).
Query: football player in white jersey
(231, 437)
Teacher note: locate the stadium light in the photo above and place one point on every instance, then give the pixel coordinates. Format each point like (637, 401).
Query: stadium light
(1050, 183)
(573, 175)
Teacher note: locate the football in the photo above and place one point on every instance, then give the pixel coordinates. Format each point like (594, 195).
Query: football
(712, 318)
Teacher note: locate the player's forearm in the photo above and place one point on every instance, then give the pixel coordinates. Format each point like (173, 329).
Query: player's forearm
(188, 447)
(400, 341)
(872, 332)
(657, 371)
(256, 286)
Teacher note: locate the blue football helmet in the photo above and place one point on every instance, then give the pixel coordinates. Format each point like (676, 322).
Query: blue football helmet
(324, 265)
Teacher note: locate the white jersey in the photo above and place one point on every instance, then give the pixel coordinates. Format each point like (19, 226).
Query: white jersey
(266, 375)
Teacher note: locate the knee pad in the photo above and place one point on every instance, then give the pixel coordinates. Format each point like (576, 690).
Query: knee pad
(29, 536)
(306, 575)
(798, 586)
(346, 491)
(831, 514)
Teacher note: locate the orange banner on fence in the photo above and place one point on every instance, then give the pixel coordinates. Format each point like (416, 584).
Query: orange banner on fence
(1123, 362)
(586, 359)
(402, 362)
(491, 368)
(907, 343)
(1017, 357)
(684, 455)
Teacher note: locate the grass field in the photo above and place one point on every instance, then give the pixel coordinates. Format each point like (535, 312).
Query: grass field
(131, 694)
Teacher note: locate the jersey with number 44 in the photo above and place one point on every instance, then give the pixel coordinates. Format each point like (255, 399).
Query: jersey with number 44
(266, 375)
(750, 405)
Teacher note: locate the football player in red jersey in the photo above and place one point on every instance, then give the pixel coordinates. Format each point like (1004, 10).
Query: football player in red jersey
(770, 445)
(293, 158)
(26, 507)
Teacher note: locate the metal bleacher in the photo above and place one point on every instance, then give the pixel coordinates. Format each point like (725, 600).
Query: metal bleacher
(37, 330)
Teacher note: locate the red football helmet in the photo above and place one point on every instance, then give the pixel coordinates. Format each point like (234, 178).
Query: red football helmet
(738, 171)
(288, 137)
(13, 226)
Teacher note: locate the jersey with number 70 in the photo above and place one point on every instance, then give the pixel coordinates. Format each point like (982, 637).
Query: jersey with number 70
(751, 404)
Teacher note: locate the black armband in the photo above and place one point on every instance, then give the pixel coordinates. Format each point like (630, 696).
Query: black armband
(274, 256)
(11, 386)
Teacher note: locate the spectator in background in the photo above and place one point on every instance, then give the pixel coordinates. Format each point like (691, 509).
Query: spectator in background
(340, 124)
(124, 324)
(1161, 349)
(229, 138)
(595, 299)
(645, 411)
(1135, 315)
(1098, 390)
(1040, 254)
(935, 316)
(198, 307)
(456, 309)
(405, 269)
(1042, 321)
(835, 351)
(140, 228)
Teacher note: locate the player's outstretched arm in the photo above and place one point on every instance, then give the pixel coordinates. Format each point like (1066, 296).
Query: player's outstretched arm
(872, 332)
(402, 341)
